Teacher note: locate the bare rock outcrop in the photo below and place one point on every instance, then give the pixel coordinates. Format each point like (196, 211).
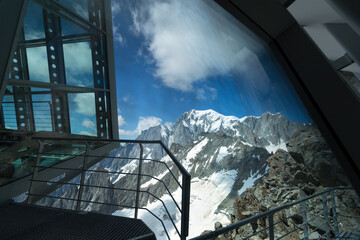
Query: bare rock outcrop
(293, 175)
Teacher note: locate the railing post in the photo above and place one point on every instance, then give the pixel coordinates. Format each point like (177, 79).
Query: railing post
(35, 173)
(271, 226)
(334, 212)
(185, 206)
(303, 208)
(326, 216)
(82, 180)
(138, 181)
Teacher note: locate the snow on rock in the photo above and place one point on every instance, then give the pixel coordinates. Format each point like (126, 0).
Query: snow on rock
(273, 148)
(206, 195)
(193, 152)
(128, 168)
(153, 181)
(223, 152)
(245, 143)
(249, 182)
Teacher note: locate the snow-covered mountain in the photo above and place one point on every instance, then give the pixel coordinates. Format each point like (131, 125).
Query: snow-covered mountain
(268, 130)
(223, 154)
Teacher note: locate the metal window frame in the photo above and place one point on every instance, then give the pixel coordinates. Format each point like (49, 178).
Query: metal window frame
(105, 91)
(11, 23)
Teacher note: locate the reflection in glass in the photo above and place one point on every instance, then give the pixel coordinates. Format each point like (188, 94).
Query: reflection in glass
(78, 64)
(38, 64)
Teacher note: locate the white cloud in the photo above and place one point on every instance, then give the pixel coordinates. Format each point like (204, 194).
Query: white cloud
(147, 122)
(88, 123)
(144, 123)
(78, 58)
(168, 124)
(190, 40)
(125, 132)
(208, 93)
(85, 103)
(38, 64)
(115, 8)
(121, 120)
(126, 99)
(118, 38)
(32, 34)
(135, 28)
(200, 94)
(87, 133)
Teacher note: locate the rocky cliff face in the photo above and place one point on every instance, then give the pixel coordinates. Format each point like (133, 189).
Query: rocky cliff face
(294, 175)
(264, 131)
(90, 194)
(308, 147)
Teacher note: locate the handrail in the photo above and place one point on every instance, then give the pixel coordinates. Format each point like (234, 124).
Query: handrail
(268, 213)
(185, 186)
(173, 158)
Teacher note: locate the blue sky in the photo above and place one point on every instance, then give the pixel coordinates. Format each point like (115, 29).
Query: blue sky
(170, 57)
(174, 56)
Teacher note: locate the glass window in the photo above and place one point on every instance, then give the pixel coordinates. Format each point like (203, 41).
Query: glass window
(38, 64)
(78, 64)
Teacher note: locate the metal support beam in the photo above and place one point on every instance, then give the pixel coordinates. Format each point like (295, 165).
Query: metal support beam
(305, 221)
(137, 199)
(98, 46)
(334, 214)
(55, 87)
(10, 23)
(56, 63)
(41, 42)
(286, 3)
(22, 95)
(110, 71)
(342, 62)
(82, 180)
(35, 173)
(59, 10)
(347, 38)
(348, 10)
(326, 216)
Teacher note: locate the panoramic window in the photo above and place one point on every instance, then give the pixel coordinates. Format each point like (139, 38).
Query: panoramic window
(188, 74)
(192, 76)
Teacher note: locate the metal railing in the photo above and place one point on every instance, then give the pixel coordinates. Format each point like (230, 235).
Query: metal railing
(310, 221)
(83, 169)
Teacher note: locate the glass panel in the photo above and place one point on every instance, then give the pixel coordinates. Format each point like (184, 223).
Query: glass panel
(192, 76)
(9, 114)
(78, 64)
(68, 28)
(33, 22)
(42, 110)
(82, 114)
(78, 6)
(38, 64)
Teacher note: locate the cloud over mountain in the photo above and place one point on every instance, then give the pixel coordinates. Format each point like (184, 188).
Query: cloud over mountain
(187, 46)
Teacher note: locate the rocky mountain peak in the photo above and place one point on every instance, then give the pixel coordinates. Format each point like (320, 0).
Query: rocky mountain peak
(160, 132)
(268, 130)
